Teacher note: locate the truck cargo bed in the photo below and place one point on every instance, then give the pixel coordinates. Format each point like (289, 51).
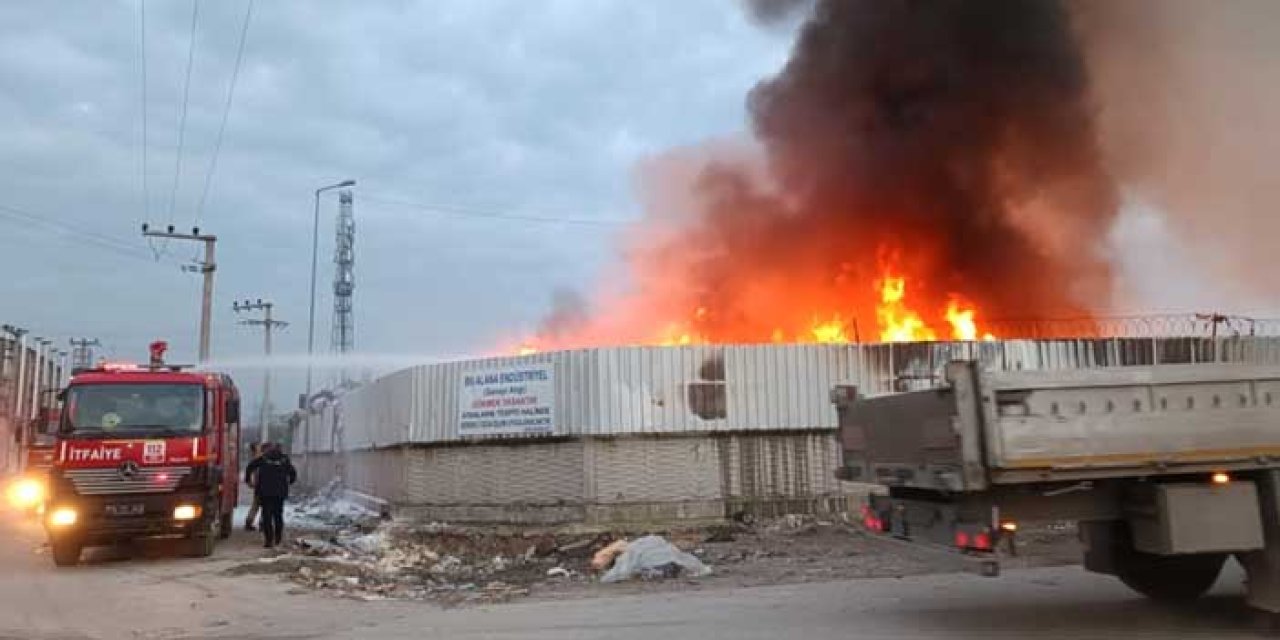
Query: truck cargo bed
(986, 428)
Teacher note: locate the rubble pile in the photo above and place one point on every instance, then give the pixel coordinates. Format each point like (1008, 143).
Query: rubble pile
(365, 558)
(328, 508)
(441, 563)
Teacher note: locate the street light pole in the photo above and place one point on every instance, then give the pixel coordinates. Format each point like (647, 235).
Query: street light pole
(315, 250)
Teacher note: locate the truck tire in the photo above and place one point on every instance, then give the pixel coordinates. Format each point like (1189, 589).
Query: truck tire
(201, 543)
(225, 525)
(1169, 578)
(66, 553)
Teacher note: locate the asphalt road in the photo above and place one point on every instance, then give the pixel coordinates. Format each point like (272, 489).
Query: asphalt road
(153, 595)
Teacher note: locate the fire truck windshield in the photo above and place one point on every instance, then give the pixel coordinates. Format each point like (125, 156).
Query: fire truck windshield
(109, 410)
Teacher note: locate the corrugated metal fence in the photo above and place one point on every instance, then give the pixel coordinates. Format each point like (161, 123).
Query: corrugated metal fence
(707, 389)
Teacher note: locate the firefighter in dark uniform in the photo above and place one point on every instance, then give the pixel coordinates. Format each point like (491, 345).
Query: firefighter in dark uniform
(272, 474)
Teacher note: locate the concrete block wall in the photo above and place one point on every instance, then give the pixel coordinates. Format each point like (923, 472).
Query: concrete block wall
(602, 480)
(546, 473)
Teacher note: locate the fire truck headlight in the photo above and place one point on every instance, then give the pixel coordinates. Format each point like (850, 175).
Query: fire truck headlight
(63, 517)
(186, 512)
(26, 493)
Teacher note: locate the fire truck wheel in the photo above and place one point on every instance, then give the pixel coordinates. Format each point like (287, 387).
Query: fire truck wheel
(1170, 578)
(66, 553)
(225, 525)
(201, 543)
(201, 546)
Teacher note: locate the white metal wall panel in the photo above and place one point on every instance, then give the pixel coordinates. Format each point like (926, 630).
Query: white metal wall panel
(653, 390)
(315, 434)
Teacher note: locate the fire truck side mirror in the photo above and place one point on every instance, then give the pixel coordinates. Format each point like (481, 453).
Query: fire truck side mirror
(233, 411)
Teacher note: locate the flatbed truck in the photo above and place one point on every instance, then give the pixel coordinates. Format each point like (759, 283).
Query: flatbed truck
(1168, 470)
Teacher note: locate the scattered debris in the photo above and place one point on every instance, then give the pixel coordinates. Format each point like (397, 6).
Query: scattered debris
(576, 549)
(328, 508)
(453, 565)
(603, 558)
(652, 558)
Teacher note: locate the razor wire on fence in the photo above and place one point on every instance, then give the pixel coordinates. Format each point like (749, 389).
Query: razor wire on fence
(1146, 326)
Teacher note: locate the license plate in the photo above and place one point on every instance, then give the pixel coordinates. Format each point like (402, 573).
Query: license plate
(125, 509)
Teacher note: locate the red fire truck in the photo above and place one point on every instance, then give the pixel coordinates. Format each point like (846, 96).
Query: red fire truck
(144, 452)
(36, 449)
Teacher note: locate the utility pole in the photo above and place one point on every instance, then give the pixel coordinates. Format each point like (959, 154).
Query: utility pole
(268, 324)
(10, 365)
(22, 377)
(207, 268)
(11, 344)
(60, 376)
(37, 375)
(82, 352)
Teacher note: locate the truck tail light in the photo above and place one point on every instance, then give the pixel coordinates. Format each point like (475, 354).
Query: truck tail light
(979, 540)
(982, 540)
(872, 521)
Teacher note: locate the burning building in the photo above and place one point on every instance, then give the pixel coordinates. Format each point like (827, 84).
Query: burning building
(925, 170)
(923, 174)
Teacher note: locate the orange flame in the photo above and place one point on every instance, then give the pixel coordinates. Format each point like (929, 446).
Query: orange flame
(963, 326)
(832, 331)
(904, 309)
(899, 323)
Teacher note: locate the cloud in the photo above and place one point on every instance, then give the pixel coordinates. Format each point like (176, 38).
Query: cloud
(505, 106)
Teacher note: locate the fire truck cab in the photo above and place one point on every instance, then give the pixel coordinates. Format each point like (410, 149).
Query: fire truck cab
(144, 451)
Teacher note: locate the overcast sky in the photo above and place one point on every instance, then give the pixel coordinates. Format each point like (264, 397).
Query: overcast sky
(519, 109)
(527, 108)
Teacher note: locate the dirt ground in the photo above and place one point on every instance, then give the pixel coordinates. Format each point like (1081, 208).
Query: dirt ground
(459, 566)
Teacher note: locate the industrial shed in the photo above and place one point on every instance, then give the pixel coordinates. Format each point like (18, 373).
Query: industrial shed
(643, 434)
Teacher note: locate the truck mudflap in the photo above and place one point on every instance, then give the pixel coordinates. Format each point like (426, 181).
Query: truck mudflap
(1263, 566)
(976, 545)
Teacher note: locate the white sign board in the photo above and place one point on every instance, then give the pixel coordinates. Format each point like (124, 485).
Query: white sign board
(517, 400)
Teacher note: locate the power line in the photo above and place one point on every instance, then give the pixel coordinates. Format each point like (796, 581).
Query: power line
(182, 118)
(476, 212)
(226, 111)
(100, 241)
(142, 37)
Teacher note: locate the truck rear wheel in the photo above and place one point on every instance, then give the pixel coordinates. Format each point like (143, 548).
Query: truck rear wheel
(1169, 578)
(66, 553)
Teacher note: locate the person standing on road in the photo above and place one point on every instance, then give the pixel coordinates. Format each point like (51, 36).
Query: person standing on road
(272, 473)
(256, 450)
